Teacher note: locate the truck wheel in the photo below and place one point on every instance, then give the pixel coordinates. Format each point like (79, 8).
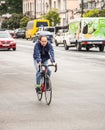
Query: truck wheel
(65, 45)
(101, 48)
(87, 48)
(79, 46)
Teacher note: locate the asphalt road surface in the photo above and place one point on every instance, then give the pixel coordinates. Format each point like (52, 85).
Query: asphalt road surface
(78, 91)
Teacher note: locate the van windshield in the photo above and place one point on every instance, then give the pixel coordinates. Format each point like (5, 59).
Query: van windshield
(49, 29)
(41, 24)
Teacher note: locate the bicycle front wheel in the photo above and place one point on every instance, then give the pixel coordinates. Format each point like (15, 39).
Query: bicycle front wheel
(40, 95)
(48, 92)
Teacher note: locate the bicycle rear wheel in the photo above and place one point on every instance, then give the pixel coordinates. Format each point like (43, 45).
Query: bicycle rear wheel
(40, 95)
(48, 92)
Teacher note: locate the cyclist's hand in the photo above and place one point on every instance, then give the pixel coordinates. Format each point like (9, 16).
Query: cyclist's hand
(55, 65)
(39, 64)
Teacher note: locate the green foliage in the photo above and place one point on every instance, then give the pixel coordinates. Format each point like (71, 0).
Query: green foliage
(53, 16)
(12, 22)
(23, 21)
(4, 24)
(95, 13)
(11, 6)
(15, 6)
(3, 9)
(102, 13)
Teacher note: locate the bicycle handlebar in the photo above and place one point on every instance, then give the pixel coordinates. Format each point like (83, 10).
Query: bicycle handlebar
(42, 65)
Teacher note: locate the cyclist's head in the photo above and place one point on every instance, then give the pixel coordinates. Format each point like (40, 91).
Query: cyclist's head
(43, 40)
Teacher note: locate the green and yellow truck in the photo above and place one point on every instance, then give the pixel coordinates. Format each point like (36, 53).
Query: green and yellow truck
(86, 33)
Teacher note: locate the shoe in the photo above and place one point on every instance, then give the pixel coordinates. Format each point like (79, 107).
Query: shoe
(38, 90)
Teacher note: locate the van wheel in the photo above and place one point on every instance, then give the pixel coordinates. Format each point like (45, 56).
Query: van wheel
(56, 43)
(78, 46)
(101, 48)
(65, 45)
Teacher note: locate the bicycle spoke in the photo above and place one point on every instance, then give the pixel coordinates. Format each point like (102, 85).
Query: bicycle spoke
(39, 95)
(48, 92)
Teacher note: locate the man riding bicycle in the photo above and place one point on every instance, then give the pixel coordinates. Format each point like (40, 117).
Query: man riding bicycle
(43, 52)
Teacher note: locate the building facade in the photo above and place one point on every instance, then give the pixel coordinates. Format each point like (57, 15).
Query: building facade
(37, 8)
(92, 4)
(68, 9)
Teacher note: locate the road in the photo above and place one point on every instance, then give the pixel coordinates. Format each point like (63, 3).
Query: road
(78, 91)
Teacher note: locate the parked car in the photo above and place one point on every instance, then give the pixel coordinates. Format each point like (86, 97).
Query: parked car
(7, 41)
(20, 33)
(45, 33)
(48, 28)
(11, 32)
(59, 37)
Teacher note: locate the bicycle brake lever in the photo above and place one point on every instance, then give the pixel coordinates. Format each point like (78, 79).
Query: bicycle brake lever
(55, 67)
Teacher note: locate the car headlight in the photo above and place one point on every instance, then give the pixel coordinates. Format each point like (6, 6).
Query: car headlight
(12, 42)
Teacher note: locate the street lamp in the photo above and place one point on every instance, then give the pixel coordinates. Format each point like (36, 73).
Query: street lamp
(35, 9)
(66, 11)
(82, 3)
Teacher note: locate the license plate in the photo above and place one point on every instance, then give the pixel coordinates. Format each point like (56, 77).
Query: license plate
(5, 44)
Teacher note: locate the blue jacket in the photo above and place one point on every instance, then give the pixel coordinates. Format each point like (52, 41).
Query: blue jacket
(41, 54)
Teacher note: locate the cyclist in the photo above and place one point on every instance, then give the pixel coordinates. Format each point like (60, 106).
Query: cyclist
(43, 52)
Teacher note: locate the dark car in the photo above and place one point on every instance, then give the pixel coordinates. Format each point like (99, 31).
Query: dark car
(11, 32)
(45, 33)
(20, 33)
(7, 41)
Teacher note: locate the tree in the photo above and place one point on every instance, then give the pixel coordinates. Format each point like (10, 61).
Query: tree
(95, 13)
(11, 6)
(23, 21)
(12, 22)
(15, 6)
(53, 16)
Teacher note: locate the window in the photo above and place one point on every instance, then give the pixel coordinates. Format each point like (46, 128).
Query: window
(39, 24)
(30, 25)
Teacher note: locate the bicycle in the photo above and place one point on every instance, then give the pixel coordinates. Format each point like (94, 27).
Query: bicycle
(45, 83)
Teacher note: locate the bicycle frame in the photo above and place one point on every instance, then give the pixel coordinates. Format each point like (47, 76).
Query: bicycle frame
(44, 70)
(45, 81)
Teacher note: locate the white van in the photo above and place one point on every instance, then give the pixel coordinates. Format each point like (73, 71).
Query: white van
(50, 29)
(87, 33)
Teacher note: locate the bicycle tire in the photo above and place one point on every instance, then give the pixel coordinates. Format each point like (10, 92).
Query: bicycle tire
(40, 95)
(48, 92)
